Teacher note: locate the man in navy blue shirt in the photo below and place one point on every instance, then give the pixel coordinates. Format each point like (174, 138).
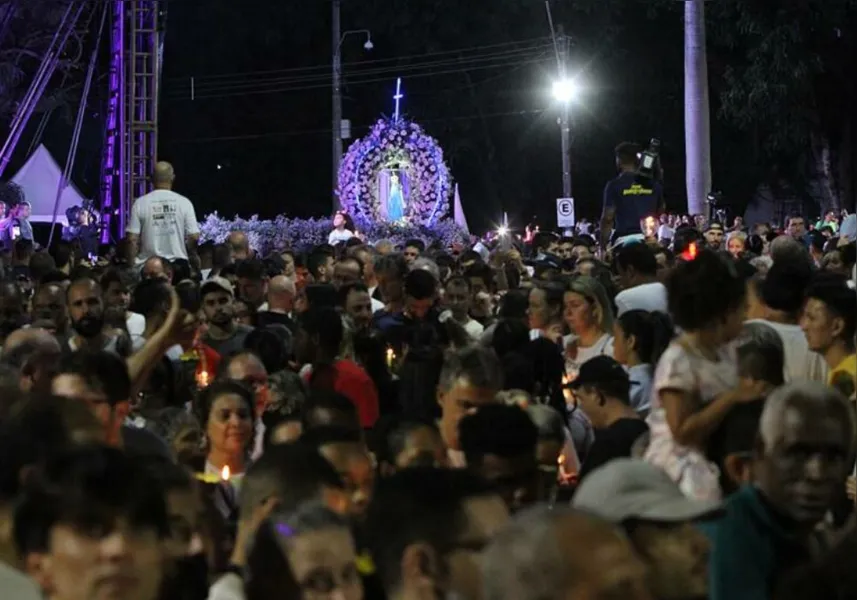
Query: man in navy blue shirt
(629, 198)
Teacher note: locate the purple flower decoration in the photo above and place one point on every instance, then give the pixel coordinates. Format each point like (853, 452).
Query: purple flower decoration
(406, 143)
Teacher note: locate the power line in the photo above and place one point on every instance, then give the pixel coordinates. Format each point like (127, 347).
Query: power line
(326, 66)
(217, 87)
(256, 136)
(353, 82)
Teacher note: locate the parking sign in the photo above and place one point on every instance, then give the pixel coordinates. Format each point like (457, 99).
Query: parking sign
(565, 212)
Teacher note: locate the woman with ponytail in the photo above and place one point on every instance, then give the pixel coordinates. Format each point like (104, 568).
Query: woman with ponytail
(639, 339)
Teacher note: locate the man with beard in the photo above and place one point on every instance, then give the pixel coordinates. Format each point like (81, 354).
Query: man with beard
(86, 311)
(714, 235)
(355, 301)
(224, 334)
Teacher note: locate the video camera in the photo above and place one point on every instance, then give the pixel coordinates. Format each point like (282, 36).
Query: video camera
(717, 206)
(649, 160)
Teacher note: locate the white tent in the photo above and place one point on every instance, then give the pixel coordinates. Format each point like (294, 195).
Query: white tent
(39, 179)
(458, 212)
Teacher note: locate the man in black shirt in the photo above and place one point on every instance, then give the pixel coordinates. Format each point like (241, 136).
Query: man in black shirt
(602, 392)
(629, 198)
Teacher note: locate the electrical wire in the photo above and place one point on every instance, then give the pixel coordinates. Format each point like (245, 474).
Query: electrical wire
(326, 66)
(355, 82)
(277, 134)
(399, 69)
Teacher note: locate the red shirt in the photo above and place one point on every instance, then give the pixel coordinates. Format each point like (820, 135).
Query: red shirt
(356, 385)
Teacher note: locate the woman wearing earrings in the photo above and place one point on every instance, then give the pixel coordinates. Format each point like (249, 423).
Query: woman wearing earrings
(225, 409)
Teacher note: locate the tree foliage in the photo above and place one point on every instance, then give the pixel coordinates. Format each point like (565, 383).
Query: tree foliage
(786, 80)
(27, 28)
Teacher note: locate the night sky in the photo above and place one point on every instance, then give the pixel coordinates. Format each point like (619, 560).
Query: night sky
(477, 76)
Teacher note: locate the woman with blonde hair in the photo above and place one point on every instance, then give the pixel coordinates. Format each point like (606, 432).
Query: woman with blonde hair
(735, 243)
(588, 313)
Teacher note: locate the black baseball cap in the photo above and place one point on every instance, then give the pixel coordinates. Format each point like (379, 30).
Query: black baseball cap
(599, 370)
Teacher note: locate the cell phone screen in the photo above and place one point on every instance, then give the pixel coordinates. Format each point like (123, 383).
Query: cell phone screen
(16, 232)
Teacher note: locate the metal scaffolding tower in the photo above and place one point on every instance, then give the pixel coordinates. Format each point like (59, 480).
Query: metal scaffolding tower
(130, 148)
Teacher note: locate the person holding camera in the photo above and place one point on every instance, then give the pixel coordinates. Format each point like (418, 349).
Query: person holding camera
(629, 198)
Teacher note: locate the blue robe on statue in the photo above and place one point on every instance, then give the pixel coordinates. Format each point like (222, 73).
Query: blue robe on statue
(395, 203)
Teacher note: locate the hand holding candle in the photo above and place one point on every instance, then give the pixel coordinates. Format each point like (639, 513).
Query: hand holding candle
(391, 357)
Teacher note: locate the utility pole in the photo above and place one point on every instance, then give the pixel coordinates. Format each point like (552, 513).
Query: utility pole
(337, 97)
(564, 122)
(564, 96)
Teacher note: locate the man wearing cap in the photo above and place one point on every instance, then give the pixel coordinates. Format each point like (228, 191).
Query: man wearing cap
(714, 236)
(602, 391)
(658, 519)
(223, 334)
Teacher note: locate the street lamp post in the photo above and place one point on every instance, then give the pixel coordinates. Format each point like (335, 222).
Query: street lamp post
(564, 91)
(337, 99)
(338, 38)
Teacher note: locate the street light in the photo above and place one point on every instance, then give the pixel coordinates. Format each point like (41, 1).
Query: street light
(565, 90)
(337, 38)
(368, 45)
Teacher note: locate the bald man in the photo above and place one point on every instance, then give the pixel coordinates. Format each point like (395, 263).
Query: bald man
(49, 306)
(281, 300)
(804, 451)
(163, 223)
(33, 352)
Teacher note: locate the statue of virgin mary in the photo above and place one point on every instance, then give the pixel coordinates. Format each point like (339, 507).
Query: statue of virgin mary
(395, 200)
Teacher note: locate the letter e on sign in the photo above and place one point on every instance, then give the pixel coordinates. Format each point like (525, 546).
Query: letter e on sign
(565, 212)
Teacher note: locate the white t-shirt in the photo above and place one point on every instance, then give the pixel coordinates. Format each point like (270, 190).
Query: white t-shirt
(474, 329)
(337, 236)
(665, 232)
(603, 346)
(16, 585)
(163, 220)
(650, 297)
(801, 363)
(136, 324)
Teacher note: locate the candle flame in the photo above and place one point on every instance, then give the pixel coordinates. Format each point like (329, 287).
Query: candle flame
(565, 380)
(391, 356)
(224, 473)
(203, 379)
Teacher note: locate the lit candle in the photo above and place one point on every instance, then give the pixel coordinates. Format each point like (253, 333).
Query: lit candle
(391, 356)
(564, 476)
(202, 379)
(225, 473)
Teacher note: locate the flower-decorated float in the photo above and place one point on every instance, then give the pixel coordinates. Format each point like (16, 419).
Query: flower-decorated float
(393, 182)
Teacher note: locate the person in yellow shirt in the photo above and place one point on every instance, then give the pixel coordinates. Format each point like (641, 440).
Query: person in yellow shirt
(829, 322)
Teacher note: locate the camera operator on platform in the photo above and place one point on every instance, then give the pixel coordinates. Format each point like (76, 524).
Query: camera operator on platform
(629, 198)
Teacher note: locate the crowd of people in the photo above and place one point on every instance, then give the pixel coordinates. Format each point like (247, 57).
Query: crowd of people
(663, 419)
